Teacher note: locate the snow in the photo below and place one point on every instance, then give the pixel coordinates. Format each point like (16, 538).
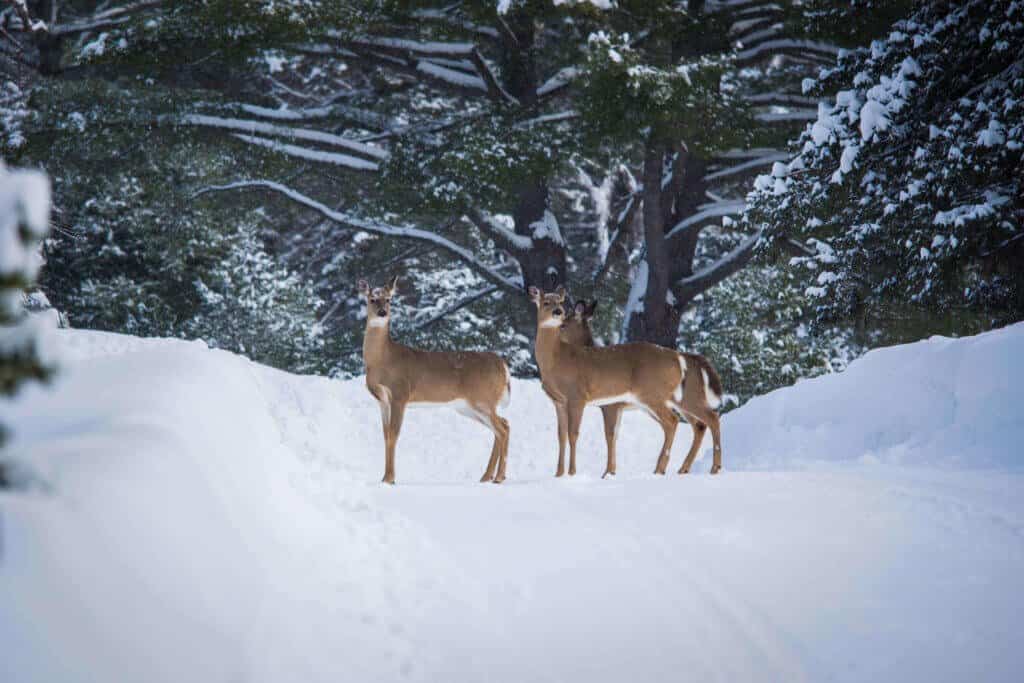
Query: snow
(873, 117)
(259, 128)
(186, 514)
(458, 78)
(848, 157)
(706, 211)
(335, 158)
(546, 228)
(24, 206)
(503, 6)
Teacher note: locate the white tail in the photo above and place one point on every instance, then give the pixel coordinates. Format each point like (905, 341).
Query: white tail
(473, 383)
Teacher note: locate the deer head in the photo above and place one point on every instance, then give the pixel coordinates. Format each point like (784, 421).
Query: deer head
(378, 302)
(551, 309)
(576, 328)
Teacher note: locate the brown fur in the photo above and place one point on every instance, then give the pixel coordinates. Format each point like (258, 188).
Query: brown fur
(398, 375)
(576, 331)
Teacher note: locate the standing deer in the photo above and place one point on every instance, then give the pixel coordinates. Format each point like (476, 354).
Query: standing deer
(473, 383)
(668, 385)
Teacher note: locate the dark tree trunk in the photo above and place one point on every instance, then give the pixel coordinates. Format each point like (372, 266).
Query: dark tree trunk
(51, 53)
(51, 48)
(544, 265)
(655, 320)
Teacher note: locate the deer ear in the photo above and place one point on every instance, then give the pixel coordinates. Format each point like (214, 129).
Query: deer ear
(560, 292)
(591, 308)
(580, 308)
(393, 285)
(364, 287)
(534, 294)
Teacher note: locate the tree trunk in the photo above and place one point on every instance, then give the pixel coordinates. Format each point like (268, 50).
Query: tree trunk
(543, 265)
(655, 320)
(51, 48)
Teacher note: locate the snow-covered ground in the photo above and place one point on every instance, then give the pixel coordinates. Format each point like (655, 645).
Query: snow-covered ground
(190, 515)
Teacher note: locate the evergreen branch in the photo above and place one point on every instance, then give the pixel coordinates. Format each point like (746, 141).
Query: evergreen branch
(463, 254)
(305, 134)
(466, 25)
(108, 19)
(309, 154)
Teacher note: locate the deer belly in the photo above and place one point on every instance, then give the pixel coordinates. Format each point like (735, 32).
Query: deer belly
(459, 405)
(627, 398)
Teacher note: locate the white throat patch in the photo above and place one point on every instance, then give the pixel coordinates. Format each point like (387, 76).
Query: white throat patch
(377, 321)
(552, 322)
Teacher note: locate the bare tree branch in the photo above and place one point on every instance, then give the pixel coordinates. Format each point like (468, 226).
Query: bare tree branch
(706, 278)
(305, 134)
(503, 237)
(458, 305)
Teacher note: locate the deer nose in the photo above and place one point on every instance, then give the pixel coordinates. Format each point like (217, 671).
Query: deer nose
(556, 312)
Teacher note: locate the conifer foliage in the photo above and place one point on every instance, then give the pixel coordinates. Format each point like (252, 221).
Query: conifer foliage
(24, 222)
(903, 202)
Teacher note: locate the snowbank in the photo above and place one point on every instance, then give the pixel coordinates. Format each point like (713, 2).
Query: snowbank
(940, 402)
(191, 515)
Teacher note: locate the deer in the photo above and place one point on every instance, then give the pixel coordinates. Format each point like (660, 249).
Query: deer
(667, 384)
(474, 383)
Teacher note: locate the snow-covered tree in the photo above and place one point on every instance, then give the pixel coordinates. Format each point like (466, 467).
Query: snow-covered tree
(902, 209)
(250, 303)
(24, 222)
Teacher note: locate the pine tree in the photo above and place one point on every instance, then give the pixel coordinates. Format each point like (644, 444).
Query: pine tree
(24, 222)
(902, 208)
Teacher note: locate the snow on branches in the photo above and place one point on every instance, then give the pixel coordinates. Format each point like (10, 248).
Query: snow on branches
(907, 190)
(24, 221)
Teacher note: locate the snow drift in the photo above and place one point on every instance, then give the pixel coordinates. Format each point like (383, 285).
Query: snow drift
(188, 514)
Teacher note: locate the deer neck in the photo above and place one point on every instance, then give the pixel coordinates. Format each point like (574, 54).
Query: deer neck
(376, 342)
(548, 347)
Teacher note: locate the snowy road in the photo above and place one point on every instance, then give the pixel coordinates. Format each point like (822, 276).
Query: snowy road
(208, 518)
(885, 575)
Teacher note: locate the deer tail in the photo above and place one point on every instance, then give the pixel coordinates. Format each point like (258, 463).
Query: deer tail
(711, 383)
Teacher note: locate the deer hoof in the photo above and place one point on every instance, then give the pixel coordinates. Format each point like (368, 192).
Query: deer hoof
(485, 478)
(684, 470)
(559, 473)
(388, 480)
(715, 469)
(498, 480)
(608, 473)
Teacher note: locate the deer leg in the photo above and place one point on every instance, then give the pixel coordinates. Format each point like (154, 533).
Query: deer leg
(394, 426)
(493, 462)
(699, 428)
(490, 419)
(716, 435)
(562, 435)
(501, 443)
(669, 422)
(574, 412)
(612, 416)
